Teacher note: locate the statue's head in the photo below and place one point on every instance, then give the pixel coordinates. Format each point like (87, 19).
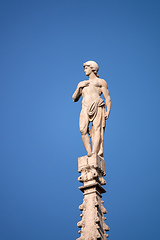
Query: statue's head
(93, 65)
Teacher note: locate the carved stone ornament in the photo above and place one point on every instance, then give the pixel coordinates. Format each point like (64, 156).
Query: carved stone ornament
(93, 108)
(92, 224)
(92, 167)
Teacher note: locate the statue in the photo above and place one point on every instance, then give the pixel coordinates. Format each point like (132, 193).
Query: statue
(93, 108)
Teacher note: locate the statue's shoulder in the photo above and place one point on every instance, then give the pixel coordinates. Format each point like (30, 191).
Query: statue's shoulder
(83, 81)
(103, 82)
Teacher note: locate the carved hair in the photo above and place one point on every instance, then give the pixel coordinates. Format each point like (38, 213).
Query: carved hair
(93, 65)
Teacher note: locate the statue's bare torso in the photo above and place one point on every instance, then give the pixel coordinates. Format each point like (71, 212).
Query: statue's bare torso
(92, 91)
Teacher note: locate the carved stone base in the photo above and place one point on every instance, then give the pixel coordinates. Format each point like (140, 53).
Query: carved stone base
(92, 225)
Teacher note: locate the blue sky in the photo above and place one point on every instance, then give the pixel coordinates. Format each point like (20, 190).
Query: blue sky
(43, 47)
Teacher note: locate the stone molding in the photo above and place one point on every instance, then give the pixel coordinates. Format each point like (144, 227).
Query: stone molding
(92, 225)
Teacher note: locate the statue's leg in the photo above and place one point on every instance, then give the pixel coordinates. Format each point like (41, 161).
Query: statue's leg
(83, 125)
(100, 152)
(96, 128)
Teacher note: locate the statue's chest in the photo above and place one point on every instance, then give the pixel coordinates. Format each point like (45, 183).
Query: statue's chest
(93, 87)
(94, 83)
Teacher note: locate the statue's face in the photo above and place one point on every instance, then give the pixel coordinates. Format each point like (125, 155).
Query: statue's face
(87, 70)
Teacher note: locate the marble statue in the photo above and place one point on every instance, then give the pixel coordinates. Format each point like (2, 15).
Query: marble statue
(93, 108)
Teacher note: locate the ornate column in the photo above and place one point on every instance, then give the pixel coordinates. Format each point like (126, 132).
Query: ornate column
(92, 225)
(92, 166)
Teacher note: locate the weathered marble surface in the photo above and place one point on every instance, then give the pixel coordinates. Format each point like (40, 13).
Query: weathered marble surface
(93, 108)
(92, 166)
(92, 225)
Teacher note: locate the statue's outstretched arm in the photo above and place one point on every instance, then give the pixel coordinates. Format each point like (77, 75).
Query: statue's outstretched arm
(107, 98)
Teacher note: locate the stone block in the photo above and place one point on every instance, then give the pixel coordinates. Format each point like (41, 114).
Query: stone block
(94, 160)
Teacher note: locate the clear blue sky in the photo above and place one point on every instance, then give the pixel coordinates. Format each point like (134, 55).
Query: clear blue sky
(43, 45)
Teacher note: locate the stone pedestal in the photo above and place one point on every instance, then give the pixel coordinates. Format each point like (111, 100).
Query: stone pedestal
(92, 225)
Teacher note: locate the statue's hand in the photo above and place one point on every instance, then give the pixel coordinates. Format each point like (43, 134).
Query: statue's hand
(83, 84)
(106, 115)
